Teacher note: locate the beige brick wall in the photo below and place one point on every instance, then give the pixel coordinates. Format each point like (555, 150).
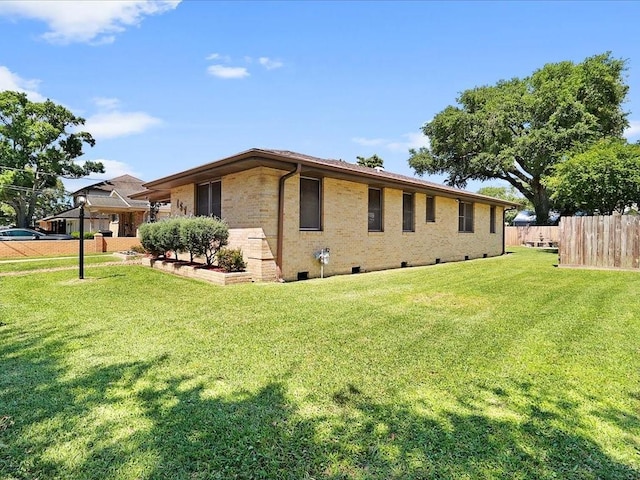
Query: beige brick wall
(345, 232)
(250, 206)
(183, 200)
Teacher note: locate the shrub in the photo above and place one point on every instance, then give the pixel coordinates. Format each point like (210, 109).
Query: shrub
(168, 235)
(230, 259)
(204, 236)
(200, 236)
(148, 239)
(87, 235)
(138, 249)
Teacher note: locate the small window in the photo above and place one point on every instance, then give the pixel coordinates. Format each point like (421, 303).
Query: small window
(310, 204)
(465, 217)
(431, 209)
(209, 199)
(492, 220)
(375, 210)
(407, 212)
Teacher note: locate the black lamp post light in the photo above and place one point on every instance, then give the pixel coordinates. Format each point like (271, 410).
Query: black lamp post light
(81, 200)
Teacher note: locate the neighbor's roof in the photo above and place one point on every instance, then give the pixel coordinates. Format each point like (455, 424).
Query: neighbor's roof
(124, 184)
(160, 190)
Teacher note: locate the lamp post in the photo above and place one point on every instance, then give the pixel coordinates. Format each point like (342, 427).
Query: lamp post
(81, 200)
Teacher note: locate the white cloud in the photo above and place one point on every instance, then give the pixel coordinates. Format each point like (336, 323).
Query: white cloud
(269, 64)
(106, 103)
(114, 124)
(89, 21)
(369, 142)
(12, 81)
(410, 140)
(219, 57)
(222, 71)
(633, 130)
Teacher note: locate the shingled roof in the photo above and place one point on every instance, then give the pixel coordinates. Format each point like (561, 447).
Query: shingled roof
(286, 160)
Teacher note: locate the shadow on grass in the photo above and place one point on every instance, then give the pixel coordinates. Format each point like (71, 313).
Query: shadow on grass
(129, 421)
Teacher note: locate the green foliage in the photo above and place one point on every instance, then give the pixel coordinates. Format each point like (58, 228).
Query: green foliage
(138, 249)
(231, 260)
(168, 235)
(502, 368)
(148, 240)
(36, 148)
(200, 236)
(519, 129)
(371, 162)
(87, 235)
(602, 180)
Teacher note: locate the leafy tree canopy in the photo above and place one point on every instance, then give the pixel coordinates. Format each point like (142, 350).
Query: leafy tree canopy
(519, 129)
(602, 180)
(371, 162)
(39, 142)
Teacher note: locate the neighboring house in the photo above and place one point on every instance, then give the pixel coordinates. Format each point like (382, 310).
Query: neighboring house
(283, 208)
(108, 209)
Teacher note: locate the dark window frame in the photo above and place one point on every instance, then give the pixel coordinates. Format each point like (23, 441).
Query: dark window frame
(212, 208)
(408, 215)
(492, 219)
(465, 217)
(307, 224)
(375, 226)
(430, 206)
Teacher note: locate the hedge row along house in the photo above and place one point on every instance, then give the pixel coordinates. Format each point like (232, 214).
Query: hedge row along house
(285, 208)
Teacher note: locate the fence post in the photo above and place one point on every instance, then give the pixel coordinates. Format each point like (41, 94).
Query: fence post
(99, 243)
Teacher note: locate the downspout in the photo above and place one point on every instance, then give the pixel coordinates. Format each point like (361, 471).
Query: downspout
(281, 218)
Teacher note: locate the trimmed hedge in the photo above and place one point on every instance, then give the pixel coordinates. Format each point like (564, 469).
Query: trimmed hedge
(200, 236)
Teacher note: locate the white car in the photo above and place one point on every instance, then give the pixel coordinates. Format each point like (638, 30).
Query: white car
(28, 234)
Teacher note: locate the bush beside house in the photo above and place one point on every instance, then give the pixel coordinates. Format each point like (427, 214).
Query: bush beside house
(198, 236)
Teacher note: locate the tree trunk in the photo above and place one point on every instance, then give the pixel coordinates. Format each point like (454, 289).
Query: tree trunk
(541, 202)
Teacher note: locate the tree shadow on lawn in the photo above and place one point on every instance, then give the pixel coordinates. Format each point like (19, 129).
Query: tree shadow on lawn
(128, 421)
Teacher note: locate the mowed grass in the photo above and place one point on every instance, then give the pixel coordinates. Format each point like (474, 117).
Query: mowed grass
(21, 265)
(497, 368)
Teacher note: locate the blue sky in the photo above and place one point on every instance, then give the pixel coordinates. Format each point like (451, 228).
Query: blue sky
(169, 85)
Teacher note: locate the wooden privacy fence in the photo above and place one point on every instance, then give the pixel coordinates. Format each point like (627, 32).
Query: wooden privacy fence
(533, 236)
(600, 242)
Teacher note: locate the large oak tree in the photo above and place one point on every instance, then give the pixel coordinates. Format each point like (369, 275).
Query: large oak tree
(519, 129)
(39, 142)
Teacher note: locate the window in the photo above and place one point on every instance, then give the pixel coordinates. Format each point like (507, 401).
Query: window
(310, 203)
(407, 212)
(492, 220)
(431, 209)
(465, 217)
(375, 210)
(209, 199)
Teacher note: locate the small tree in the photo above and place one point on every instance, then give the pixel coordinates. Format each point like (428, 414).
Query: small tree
(604, 179)
(148, 239)
(169, 235)
(371, 162)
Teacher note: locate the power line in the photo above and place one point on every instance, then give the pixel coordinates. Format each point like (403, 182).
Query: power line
(54, 175)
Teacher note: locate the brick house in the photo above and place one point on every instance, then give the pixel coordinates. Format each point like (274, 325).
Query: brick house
(284, 207)
(108, 209)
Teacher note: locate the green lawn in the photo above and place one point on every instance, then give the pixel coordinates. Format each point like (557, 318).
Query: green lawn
(28, 264)
(497, 368)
